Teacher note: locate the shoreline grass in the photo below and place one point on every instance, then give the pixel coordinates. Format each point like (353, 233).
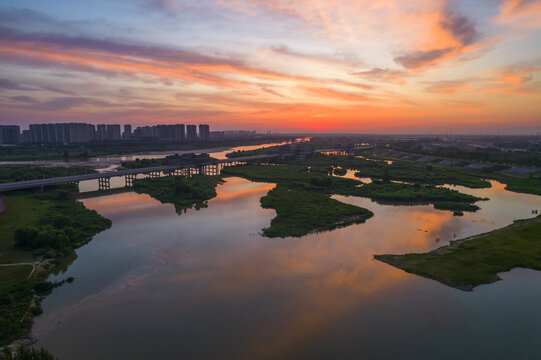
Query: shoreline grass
(477, 260)
(299, 213)
(56, 225)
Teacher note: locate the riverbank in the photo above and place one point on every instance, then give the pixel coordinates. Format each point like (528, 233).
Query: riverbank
(88, 151)
(38, 231)
(477, 260)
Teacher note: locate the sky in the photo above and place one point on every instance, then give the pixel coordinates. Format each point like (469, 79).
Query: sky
(287, 66)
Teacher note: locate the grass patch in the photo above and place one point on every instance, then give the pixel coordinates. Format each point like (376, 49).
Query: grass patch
(397, 193)
(184, 193)
(467, 263)
(11, 275)
(9, 173)
(302, 212)
(401, 170)
(298, 177)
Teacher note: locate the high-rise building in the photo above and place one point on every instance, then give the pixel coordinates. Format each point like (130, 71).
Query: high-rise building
(127, 131)
(204, 132)
(191, 133)
(65, 133)
(10, 134)
(180, 133)
(113, 132)
(101, 132)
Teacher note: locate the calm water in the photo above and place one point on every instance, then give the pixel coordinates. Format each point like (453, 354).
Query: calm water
(206, 285)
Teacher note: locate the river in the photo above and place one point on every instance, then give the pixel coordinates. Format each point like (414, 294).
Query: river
(207, 285)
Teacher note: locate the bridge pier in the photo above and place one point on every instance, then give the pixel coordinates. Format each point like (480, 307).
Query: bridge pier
(104, 183)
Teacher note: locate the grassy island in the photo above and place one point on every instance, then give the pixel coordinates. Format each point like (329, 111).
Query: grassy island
(301, 212)
(183, 192)
(302, 201)
(416, 194)
(38, 231)
(317, 179)
(400, 170)
(467, 263)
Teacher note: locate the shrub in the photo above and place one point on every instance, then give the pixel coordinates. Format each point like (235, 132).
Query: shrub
(61, 221)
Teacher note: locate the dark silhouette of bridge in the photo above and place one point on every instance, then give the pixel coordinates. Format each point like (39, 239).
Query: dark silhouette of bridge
(187, 167)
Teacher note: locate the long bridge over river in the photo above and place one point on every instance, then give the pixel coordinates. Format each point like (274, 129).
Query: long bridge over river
(187, 168)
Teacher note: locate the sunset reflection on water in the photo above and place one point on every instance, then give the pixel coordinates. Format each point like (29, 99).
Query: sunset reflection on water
(177, 283)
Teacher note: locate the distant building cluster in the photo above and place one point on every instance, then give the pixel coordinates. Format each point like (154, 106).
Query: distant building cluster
(9, 134)
(232, 134)
(71, 133)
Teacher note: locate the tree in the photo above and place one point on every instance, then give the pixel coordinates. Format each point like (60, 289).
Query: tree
(385, 177)
(61, 221)
(25, 236)
(26, 353)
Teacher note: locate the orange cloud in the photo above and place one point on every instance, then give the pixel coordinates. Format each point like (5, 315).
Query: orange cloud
(448, 87)
(524, 13)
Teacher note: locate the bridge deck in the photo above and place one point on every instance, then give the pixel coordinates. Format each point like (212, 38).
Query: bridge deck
(108, 174)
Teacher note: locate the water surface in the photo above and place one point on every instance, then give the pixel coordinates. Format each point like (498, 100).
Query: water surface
(206, 285)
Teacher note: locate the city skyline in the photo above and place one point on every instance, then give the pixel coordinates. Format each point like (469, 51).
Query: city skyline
(286, 66)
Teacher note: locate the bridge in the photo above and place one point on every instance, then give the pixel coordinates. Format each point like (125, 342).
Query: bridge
(186, 168)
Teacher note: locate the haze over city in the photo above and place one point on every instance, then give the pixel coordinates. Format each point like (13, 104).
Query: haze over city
(289, 66)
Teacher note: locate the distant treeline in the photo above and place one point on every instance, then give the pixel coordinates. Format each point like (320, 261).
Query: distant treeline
(530, 157)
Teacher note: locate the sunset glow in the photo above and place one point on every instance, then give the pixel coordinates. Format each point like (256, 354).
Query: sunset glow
(349, 65)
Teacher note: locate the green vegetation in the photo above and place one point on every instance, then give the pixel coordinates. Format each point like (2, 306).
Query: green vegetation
(317, 179)
(493, 154)
(39, 230)
(467, 263)
(301, 212)
(85, 151)
(260, 151)
(26, 353)
(9, 173)
(171, 159)
(400, 170)
(185, 193)
(297, 177)
(340, 171)
(442, 198)
(528, 184)
(524, 184)
(308, 186)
